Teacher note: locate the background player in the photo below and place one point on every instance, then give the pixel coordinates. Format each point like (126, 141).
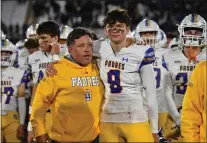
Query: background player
(13, 95)
(148, 31)
(48, 35)
(180, 64)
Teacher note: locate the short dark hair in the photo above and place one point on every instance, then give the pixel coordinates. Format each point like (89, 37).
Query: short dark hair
(31, 43)
(117, 15)
(76, 34)
(49, 27)
(94, 36)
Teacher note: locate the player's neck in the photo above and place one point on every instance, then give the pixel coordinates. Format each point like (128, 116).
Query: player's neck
(118, 46)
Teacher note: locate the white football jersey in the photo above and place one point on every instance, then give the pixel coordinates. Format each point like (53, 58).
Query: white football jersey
(10, 80)
(38, 62)
(159, 70)
(180, 71)
(123, 83)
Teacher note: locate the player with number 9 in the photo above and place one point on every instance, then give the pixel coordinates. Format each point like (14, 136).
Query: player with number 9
(13, 95)
(180, 64)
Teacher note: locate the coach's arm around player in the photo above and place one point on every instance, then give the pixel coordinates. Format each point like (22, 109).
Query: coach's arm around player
(193, 117)
(74, 95)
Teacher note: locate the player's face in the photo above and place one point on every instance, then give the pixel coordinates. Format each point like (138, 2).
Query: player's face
(116, 32)
(148, 37)
(81, 50)
(5, 55)
(45, 42)
(195, 50)
(193, 33)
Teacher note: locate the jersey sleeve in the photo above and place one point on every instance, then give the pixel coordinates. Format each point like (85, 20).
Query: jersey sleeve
(193, 106)
(149, 58)
(168, 96)
(44, 96)
(147, 74)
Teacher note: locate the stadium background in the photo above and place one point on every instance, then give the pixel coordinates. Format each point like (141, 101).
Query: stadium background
(18, 15)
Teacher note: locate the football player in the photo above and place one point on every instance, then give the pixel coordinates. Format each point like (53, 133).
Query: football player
(149, 32)
(31, 31)
(125, 72)
(13, 95)
(174, 44)
(3, 36)
(48, 35)
(21, 55)
(32, 45)
(179, 65)
(162, 41)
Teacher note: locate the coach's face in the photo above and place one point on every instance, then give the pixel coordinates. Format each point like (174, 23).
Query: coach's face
(81, 50)
(116, 32)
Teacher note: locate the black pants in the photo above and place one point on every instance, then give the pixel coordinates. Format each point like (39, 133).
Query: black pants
(96, 140)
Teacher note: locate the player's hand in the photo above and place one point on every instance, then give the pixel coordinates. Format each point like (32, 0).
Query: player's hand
(156, 137)
(130, 41)
(55, 48)
(50, 70)
(20, 131)
(42, 139)
(30, 136)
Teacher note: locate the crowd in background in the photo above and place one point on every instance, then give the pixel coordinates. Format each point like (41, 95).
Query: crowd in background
(90, 13)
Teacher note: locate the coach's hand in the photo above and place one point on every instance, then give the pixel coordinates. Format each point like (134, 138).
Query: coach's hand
(130, 41)
(30, 136)
(20, 131)
(156, 137)
(50, 70)
(43, 139)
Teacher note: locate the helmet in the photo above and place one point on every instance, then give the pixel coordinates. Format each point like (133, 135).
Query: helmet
(20, 44)
(192, 21)
(174, 44)
(22, 55)
(31, 31)
(3, 36)
(147, 25)
(7, 46)
(162, 39)
(64, 31)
